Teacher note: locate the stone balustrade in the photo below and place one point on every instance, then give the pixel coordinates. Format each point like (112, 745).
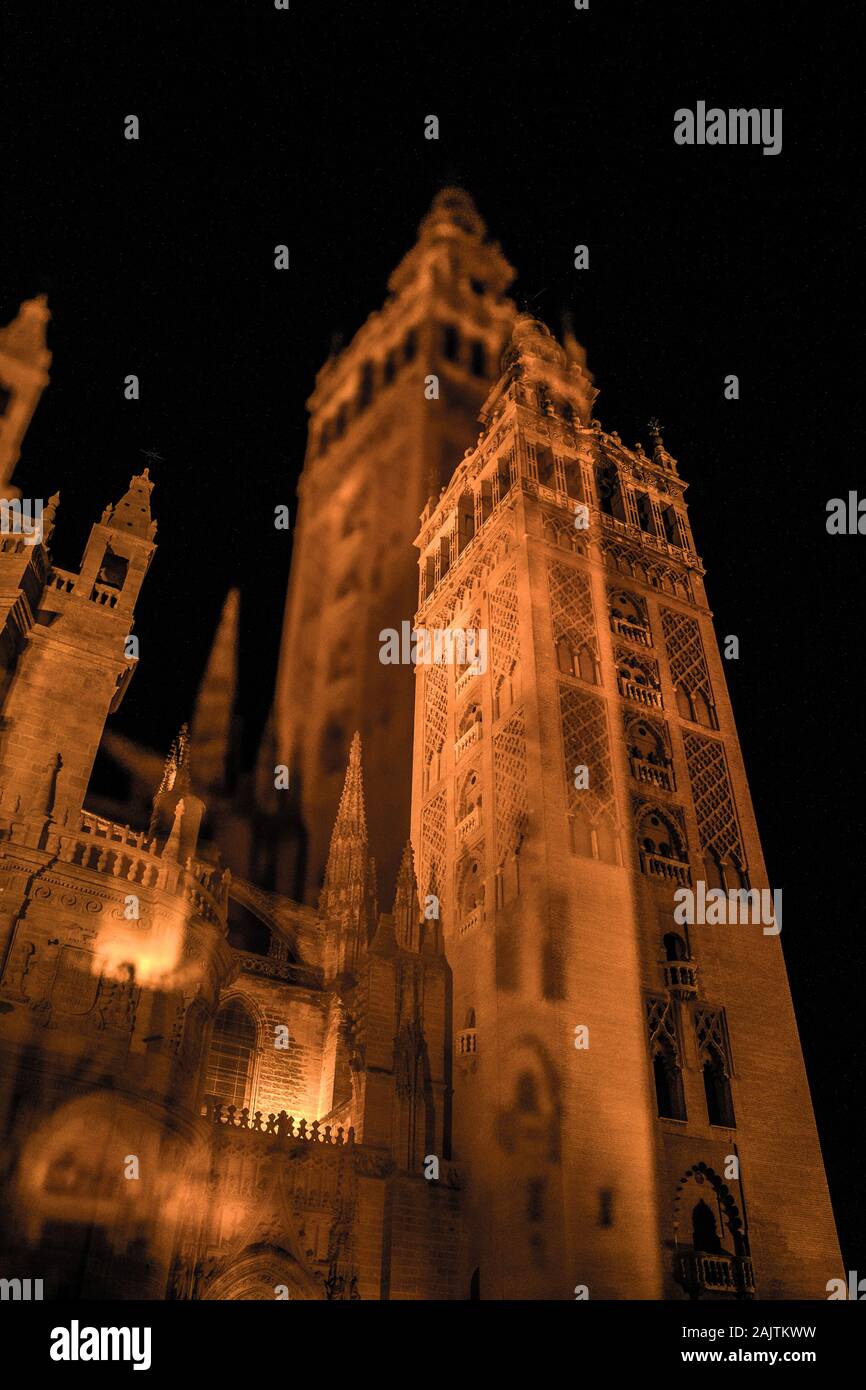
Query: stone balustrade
(469, 824)
(658, 866)
(121, 853)
(642, 694)
(654, 774)
(472, 735)
(721, 1273)
(635, 632)
(281, 1126)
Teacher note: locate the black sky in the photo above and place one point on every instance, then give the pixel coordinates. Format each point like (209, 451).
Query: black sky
(260, 127)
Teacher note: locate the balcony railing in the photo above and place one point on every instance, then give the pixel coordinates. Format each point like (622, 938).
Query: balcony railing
(681, 978)
(635, 632)
(643, 694)
(465, 680)
(721, 1273)
(655, 774)
(280, 1126)
(105, 595)
(471, 921)
(469, 824)
(472, 735)
(658, 866)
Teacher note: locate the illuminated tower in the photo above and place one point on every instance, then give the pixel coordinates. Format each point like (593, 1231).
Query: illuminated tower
(630, 1102)
(381, 441)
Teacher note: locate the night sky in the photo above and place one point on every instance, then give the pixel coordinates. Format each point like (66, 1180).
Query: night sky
(305, 127)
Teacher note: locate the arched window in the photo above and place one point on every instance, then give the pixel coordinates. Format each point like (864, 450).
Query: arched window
(675, 947)
(670, 1101)
(717, 1088)
(703, 714)
(587, 666)
(684, 704)
(475, 1286)
(229, 1074)
(705, 1235)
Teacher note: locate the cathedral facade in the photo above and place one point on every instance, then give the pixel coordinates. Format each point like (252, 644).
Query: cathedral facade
(540, 1075)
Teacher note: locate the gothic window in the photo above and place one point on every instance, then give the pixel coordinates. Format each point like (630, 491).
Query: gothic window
(648, 748)
(664, 1047)
(475, 1286)
(546, 466)
(486, 499)
(670, 1100)
(5, 398)
(628, 616)
(671, 524)
(340, 423)
(389, 371)
(714, 1055)
(610, 497)
(637, 678)
(325, 437)
(465, 520)
(229, 1074)
(573, 478)
(720, 1109)
(410, 345)
(645, 517)
(713, 876)
(659, 835)
(478, 360)
(503, 474)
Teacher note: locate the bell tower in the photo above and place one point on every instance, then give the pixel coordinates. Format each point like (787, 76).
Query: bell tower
(622, 1082)
(387, 418)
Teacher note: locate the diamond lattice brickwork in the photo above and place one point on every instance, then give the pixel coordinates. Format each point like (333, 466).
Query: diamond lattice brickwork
(718, 826)
(509, 769)
(585, 742)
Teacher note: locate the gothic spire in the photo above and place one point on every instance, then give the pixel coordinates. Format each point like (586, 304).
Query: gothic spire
(349, 892)
(176, 775)
(177, 812)
(214, 707)
(405, 911)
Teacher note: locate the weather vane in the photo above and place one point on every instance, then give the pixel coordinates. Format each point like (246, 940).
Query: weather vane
(152, 455)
